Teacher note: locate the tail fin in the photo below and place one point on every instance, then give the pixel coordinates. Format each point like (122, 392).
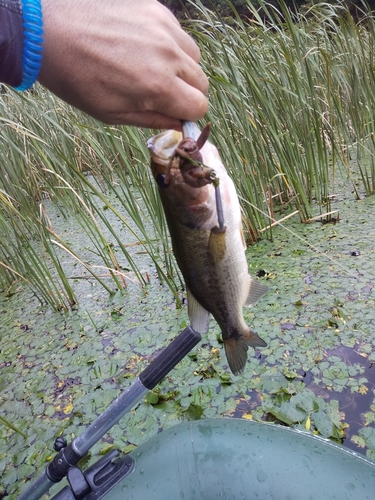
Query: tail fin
(236, 350)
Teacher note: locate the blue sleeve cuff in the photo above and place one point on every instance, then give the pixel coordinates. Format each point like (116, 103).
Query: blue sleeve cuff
(32, 54)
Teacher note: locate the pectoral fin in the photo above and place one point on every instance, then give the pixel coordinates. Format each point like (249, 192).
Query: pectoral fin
(198, 315)
(256, 290)
(217, 244)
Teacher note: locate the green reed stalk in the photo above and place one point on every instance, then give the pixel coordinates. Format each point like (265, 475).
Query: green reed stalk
(290, 95)
(292, 107)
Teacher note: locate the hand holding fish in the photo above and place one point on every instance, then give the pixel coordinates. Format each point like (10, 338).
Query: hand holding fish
(122, 62)
(210, 254)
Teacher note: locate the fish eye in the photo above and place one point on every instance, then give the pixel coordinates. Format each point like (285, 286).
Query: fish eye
(160, 180)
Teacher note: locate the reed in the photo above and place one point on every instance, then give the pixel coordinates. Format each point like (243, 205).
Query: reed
(54, 154)
(292, 98)
(292, 107)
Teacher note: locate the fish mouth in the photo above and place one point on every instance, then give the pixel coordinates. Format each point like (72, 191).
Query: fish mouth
(162, 146)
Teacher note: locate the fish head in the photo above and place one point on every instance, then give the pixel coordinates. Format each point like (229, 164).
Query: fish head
(192, 199)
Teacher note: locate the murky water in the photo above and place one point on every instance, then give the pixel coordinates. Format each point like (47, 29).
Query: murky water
(354, 404)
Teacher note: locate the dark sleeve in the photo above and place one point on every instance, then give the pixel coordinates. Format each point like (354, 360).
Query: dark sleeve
(11, 42)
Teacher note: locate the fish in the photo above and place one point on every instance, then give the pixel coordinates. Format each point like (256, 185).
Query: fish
(207, 236)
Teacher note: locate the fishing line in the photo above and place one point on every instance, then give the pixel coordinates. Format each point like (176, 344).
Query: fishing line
(331, 259)
(219, 208)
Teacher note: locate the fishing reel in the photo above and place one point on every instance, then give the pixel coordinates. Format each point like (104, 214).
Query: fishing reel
(97, 481)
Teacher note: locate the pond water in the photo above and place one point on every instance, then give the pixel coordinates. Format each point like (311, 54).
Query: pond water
(58, 371)
(356, 405)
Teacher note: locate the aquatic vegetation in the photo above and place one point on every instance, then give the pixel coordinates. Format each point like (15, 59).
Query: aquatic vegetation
(292, 98)
(81, 223)
(69, 172)
(59, 371)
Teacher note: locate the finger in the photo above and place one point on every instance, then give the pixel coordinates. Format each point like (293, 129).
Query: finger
(193, 75)
(181, 37)
(147, 119)
(166, 13)
(182, 101)
(188, 45)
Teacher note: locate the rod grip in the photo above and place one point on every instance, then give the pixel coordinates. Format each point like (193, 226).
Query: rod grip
(169, 357)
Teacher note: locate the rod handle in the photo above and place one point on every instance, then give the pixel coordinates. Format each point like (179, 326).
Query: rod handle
(169, 357)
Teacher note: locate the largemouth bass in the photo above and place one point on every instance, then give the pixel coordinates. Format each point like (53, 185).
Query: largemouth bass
(210, 254)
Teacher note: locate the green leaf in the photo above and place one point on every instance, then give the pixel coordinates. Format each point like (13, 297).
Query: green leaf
(323, 423)
(358, 440)
(288, 413)
(152, 397)
(195, 412)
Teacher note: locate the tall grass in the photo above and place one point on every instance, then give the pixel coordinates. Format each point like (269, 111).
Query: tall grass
(292, 106)
(292, 98)
(53, 154)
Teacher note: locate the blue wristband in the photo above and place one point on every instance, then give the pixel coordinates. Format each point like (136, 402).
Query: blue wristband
(33, 42)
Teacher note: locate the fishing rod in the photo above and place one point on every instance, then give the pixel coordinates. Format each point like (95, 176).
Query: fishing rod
(98, 479)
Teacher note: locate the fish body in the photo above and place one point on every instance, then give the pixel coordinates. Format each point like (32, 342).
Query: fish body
(212, 259)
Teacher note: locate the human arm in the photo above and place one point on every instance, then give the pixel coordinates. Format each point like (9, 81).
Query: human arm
(121, 61)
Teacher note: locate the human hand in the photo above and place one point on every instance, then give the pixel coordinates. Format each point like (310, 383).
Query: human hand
(122, 62)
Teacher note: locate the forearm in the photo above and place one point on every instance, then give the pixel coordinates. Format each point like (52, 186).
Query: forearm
(11, 42)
